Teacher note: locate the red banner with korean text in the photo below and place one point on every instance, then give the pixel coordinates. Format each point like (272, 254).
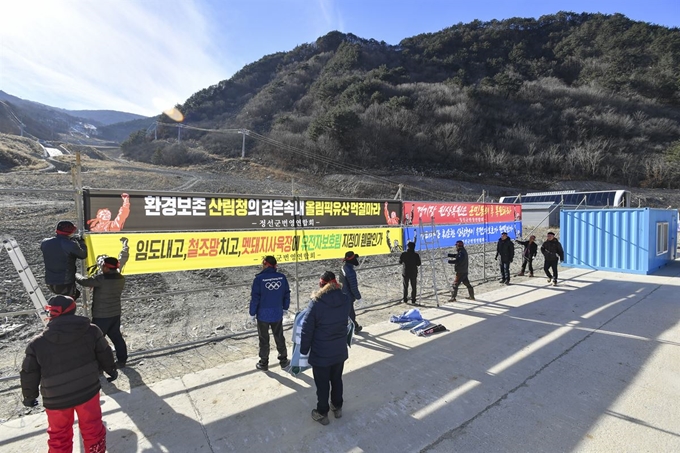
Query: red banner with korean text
(459, 213)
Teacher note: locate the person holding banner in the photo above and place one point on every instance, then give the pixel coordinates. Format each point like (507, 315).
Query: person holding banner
(324, 338)
(60, 254)
(108, 287)
(350, 285)
(269, 298)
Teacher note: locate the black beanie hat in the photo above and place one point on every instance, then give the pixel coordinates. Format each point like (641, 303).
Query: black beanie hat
(60, 305)
(111, 262)
(327, 276)
(66, 227)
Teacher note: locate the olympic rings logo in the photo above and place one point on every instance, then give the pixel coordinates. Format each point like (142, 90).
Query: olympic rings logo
(272, 286)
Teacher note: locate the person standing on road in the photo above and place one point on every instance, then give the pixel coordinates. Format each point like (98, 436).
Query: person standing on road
(324, 338)
(106, 305)
(269, 298)
(350, 285)
(410, 261)
(60, 254)
(530, 251)
(505, 249)
(64, 363)
(553, 253)
(460, 262)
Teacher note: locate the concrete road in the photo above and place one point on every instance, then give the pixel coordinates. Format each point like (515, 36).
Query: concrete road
(592, 365)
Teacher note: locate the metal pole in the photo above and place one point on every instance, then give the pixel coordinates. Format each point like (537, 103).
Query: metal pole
(80, 215)
(243, 145)
(179, 133)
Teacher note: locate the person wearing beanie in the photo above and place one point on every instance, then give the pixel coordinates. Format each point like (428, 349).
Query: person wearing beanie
(350, 285)
(410, 261)
(324, 338)
(269, 298)
(553, 253)
(505, 250)
(60, 254)
(108, 287)
(63, 363)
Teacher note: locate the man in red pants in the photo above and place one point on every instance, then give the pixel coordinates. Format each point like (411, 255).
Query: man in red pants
(64, 361)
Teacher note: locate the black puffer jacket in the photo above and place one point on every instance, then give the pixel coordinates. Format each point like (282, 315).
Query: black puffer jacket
(64, 361)
(325, 328)
(551, 250)
(60, 254)
(460, 261)
(506, 250)
(108, 288)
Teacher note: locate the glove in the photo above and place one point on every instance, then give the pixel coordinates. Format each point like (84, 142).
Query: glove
(30, 402)
(113, 376)
(285, 313)
(496, 258)
(357, 303)
(253, 319)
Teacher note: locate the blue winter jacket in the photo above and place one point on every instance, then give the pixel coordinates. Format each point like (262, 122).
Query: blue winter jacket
(348, 279)
(325, 328)
(60, 254)
(269, 296)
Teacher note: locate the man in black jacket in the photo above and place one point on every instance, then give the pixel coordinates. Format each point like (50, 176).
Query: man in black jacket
(460, 262)
(410, 261)
(324, 338)
(505, 249)
(552, 251)
(106, 305)
(64, 362)
(60, 254)
(530, 251)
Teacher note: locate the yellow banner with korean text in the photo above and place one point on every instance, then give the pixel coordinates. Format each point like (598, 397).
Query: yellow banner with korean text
(147, 253)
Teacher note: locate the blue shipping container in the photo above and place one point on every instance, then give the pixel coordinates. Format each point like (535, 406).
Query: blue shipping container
(636, 241)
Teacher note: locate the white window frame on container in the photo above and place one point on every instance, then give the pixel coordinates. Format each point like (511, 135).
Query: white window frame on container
(661, 238)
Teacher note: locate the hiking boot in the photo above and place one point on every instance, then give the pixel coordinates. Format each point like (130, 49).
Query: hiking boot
(337, 411)
(507, 283)
(120, 364)
(317, 417)
(550, 280)
(284, 363)
(554, 283)
(358, 328)
(531, 275)
(471, 298)
(262, 366)
(452, 299)
(521, 274)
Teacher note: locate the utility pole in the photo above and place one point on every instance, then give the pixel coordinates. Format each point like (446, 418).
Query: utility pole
(179, 133)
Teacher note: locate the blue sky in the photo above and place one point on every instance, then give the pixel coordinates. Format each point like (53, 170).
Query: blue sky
(144, 56)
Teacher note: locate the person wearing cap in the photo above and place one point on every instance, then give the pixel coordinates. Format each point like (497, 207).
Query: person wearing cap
(410, 261)
(461, 262)
(324, 338)
(530, 251)
(505, 250)
(63, 363)
(269, 298)
(60, 254)
(108, 287)
(553, 253)
(350, 284)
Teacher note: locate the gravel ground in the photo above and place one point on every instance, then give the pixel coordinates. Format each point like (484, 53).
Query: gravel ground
(204, 306)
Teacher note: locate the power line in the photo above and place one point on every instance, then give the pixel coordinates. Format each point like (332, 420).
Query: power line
(323, 159)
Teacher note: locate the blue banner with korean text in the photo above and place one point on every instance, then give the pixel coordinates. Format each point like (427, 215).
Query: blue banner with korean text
(445, 236)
